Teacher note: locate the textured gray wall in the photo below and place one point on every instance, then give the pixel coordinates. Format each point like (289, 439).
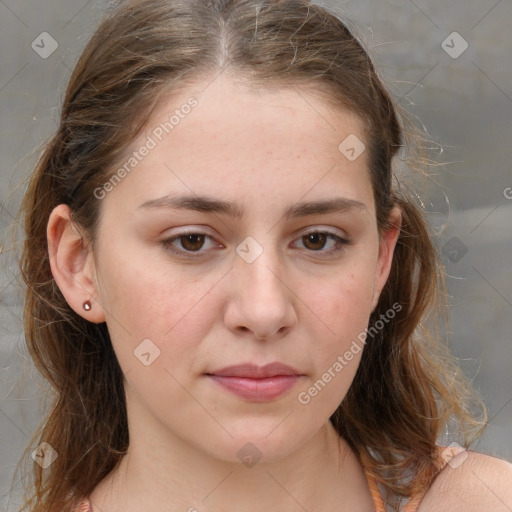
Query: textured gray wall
(462, 95)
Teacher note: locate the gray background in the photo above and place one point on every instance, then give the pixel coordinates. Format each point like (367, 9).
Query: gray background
(465, 103)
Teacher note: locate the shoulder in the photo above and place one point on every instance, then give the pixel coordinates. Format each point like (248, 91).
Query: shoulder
(471, 482)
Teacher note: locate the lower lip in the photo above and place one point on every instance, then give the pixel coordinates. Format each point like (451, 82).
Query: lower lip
(257, 390)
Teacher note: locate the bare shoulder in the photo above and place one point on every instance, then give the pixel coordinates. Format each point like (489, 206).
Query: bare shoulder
(471, 482)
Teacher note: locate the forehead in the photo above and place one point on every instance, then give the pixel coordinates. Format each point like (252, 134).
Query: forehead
(230, 111)
(222, 137)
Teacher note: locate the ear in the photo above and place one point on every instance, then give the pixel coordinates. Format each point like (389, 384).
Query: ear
(72, 264)
(387, 245)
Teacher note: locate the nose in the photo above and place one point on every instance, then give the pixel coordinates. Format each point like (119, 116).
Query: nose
(261, 299)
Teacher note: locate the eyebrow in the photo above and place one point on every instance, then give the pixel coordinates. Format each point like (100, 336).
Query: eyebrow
(213, 205)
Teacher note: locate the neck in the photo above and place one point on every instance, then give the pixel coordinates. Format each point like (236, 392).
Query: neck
(323, 474)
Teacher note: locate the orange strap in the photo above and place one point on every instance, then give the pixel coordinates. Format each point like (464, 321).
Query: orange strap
(380, 506)
(85, 506)
(444, 454)
(376, 495)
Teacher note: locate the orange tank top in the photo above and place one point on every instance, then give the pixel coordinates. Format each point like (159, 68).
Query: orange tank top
(85, 506)
(443, 456)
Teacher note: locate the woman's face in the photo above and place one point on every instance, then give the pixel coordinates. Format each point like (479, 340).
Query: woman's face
(249, 176)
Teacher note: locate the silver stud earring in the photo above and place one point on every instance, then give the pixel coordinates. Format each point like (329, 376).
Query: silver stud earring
(87, 305)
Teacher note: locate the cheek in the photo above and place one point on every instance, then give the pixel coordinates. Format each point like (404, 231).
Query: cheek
(170, 308)
(337, 333)
(341, 301)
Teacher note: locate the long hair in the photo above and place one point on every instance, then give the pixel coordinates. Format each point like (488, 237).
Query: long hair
(407, 385)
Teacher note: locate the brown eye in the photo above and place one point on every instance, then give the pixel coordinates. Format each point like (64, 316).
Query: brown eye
(189, 244)
(323, 242)
(315, 241)
(192, 242)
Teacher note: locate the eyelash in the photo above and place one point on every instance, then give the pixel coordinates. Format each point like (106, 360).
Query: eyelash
(168, 243)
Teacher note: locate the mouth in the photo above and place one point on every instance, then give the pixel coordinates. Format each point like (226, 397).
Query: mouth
(257, 383)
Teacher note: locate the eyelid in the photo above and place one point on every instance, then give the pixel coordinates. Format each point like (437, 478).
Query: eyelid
(168, 243)
(341, 240)
(324, 229)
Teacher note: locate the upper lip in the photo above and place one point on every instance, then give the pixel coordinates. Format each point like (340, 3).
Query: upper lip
(256, 372)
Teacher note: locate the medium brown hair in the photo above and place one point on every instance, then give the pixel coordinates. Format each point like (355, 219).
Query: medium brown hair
(407, 386)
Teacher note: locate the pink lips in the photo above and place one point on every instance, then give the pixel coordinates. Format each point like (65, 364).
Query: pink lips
(257, 383)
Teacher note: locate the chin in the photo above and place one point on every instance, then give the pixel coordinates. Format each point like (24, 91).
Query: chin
(252, 445)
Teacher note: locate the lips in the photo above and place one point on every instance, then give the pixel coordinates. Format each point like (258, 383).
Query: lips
(257, 383)
(256, 372)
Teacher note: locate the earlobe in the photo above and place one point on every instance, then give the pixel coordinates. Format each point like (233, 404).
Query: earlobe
(72, 265)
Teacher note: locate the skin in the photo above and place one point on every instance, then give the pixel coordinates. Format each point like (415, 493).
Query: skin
(266, 150)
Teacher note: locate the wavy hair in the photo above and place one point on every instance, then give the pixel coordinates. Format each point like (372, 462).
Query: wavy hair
(407, 386)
